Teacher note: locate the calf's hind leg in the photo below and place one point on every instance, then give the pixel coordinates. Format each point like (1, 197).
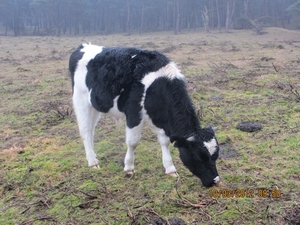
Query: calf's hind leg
(87, 118)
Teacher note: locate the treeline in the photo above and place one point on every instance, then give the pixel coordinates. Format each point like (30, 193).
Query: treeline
(74, 17)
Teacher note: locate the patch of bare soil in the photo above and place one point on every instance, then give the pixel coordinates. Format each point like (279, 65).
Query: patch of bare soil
(227, 150)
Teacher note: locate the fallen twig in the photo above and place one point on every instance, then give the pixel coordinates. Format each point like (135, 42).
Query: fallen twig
(141, 205)
(155, 213)
(104, 220)
(176, 185)
(87, 194)
(85, 204)
(186, 203)
(275, 68)
(43, 217)
(294, 92)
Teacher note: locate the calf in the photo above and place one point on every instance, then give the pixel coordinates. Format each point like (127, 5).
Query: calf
(144, 87)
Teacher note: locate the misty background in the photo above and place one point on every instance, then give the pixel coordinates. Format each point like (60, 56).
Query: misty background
(76, 17)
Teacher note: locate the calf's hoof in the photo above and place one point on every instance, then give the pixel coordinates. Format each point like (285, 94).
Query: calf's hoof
(129, 174)
(95, 167)
(173, 174)
(220, 184)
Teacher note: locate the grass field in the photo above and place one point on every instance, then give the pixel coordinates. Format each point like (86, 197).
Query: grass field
(234, 77)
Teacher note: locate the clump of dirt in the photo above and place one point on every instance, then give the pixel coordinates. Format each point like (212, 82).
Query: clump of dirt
(293, 215)
(249, 126)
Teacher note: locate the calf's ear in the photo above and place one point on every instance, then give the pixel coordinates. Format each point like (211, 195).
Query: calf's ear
(191, 138)
(180, 141)
(210, 127)
(173, 138)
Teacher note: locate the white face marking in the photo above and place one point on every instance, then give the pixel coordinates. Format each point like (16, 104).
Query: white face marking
(211, 146)
(133, 56)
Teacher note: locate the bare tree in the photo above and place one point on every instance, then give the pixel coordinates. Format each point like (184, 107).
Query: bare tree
(205, 18)
(229, 13)
(176, 17)
(57, 15)
(128, 18)
(142, 16)
(246, 4)
(218, 15)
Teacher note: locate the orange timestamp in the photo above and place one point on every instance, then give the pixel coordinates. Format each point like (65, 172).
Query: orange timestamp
(244, 193)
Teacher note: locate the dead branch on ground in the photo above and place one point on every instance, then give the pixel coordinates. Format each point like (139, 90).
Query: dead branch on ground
(294, 91)
(42, 217)
(275, 68)
(222, 67)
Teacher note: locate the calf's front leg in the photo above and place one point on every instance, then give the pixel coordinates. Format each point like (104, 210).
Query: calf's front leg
(166, 156)
(133, 136)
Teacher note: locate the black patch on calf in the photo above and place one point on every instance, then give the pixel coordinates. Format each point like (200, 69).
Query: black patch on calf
(118, 72)
(131, 105)
(170, 107)
(73, 61)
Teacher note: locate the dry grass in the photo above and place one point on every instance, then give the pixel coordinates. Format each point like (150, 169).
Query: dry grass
(231, 77)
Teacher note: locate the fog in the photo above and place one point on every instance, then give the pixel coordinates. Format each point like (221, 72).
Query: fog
(75, 17)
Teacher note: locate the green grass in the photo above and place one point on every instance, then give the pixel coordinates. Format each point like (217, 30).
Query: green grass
(44, 178)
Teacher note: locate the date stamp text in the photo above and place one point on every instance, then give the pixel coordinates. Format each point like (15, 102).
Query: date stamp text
(244, 193)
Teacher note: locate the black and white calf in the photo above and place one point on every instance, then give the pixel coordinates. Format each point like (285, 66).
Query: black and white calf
(144, 87)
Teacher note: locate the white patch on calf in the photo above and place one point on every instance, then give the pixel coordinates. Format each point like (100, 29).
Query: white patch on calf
(90, 51)
(170, 71)
(115, 113)
(87, 116)
(211, 146)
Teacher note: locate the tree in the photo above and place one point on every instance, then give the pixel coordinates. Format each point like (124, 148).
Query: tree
(56, 17)
(205, 18)
(229, 13)
(294, 7)
(14, 14)
(176, 16)
(128, 18)
(218, 15)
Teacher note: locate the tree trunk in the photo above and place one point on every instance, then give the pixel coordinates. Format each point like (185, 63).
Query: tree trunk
(176, 17)
(142, 17)
(128, 19)
(229, 15)
(246, 2)
(205, 18)
(218, 15)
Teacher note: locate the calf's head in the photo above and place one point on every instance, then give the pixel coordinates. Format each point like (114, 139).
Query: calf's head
(199, 154)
